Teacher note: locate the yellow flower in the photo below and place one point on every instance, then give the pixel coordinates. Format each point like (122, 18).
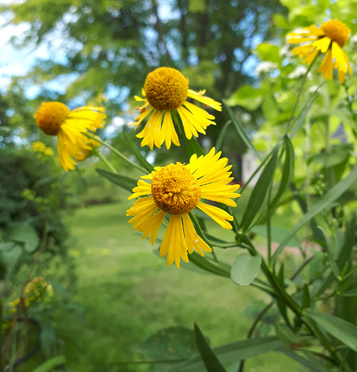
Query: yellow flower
(89, 145)
(177, 189)
(55, 119)
(165, 92)
(330, 38)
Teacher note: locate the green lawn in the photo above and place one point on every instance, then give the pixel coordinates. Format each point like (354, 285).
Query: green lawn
(130, 293)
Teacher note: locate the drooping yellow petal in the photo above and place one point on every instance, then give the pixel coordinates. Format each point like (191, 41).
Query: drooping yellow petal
(145, 217)
(174, 244)
(168, 132)
(192, 238)
(151, 131)
(326, 66)
(143, 188)
(217, 214)
(141, 117)
(199, 96)
(322, 44)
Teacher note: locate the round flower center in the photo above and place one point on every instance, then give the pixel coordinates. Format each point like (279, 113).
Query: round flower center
(336, 31)
(50, 116)
(166, 88)
(175, 190)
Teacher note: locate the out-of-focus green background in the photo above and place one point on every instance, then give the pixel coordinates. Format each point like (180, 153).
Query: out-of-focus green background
(112, 290)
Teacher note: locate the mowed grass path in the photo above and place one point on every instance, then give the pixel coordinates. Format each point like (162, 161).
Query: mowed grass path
(130, 293)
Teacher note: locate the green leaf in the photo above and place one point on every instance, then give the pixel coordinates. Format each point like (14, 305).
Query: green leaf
(139, 156)
(126, 183)
(50, 364)
(306, 302)
(10, 258)
(350, 293)
(239, 127)
(6, 246)
(286, 334)
(209, 358)
(233, 352)
(344, 331)
(222, 134)
(277, 234)
(245, 268)
(302, 114)
(322, 204)
(311, 363)
(207, 265)
(259, 192)
(193, 147)
(25, 234)
(169, 343)
(316, 266)
(287, 172)
(247, 97)
(330, 253)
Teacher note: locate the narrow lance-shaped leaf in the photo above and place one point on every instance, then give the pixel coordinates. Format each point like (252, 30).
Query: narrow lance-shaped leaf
(241, 132)
(330, 253)
(209, 358)
(259, 192)
(126, 183)
(306, 302)
(313, 364)
(232, 352)
(287, 172)
(322, 204)
(344, 331)
(207, 265)
(245, 268)
(302, 114)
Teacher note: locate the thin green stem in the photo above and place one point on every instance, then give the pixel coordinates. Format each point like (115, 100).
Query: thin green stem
(96, 138)
(300, 92)
(105, 160)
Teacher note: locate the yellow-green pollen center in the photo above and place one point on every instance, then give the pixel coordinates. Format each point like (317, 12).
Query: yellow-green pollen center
(166, 88)
(336, 31)
(175, 190)
(50, 116)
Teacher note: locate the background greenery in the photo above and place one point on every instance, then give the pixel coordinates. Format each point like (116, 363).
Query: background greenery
(99, 53)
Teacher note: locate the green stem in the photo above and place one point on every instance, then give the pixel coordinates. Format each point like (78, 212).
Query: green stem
(300, 92)
(96, 138)
(105, 160)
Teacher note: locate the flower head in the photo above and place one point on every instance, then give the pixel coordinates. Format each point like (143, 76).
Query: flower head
(177, 189)
(55, 119)
(89, 145)
(330, 38)
(165, 91)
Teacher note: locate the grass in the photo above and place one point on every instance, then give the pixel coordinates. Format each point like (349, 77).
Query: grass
(129, 293)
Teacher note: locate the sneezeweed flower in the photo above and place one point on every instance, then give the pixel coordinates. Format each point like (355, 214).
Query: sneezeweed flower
(56, 119)
(89, 145)
(329, 39)
(165, 95)
(43, 152)
(177, 189)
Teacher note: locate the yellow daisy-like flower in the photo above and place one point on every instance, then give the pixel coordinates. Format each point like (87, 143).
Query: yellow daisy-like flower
(165, 92)
(177, 189)
(56, 119)
(89, 145)
(330, 38)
